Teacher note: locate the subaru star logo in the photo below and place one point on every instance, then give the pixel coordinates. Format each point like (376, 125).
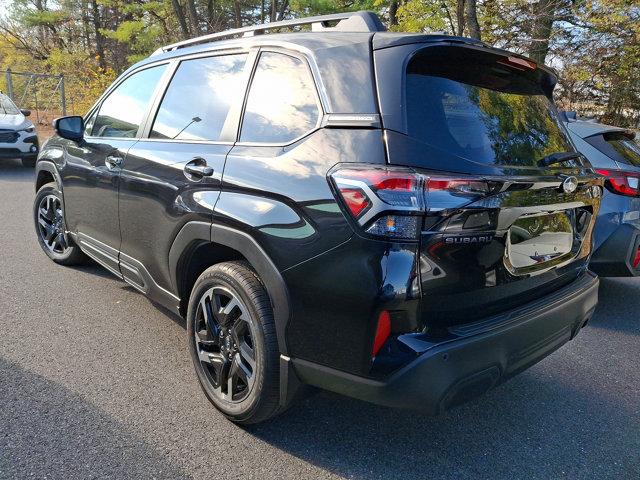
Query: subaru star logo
(570, 184)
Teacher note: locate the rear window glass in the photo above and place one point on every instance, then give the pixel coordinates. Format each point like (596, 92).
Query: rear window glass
(618, 146)
(481, 110)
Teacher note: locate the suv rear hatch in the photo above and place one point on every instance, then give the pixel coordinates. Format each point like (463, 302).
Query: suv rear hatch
(507, 207)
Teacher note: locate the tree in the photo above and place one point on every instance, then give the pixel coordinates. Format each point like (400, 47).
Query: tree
(595, 44)
(193, 17)
(471, 18)
(97, 31)
(543, 16)
(419, 15)
(182, 21)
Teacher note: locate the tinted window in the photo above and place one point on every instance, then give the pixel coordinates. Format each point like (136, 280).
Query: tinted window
(282, 103)
(199, 97)
(123, 110)
(482, 111)
(7, 107)
(619, 146)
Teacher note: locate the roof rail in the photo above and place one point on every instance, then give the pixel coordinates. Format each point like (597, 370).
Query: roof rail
(362, 21)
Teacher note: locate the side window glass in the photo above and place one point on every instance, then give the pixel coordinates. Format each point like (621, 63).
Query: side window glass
(122, 111)
(199, 97)
(282, 103)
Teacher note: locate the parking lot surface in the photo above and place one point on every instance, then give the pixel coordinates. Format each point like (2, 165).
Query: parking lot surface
(96, 381)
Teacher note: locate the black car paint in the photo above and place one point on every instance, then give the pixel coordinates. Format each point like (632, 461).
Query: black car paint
(441, 374)
(153, 181)
(91, 194)
(327, 283)
(303, 218)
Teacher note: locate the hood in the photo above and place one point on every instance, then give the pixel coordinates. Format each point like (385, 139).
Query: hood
(13, 122)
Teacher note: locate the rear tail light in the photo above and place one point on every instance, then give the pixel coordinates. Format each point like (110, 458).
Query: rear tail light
(356, 201)
(622, 183)
(390, 201)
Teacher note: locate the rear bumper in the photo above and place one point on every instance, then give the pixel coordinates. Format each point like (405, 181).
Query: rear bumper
(614, 258)
(475, 358)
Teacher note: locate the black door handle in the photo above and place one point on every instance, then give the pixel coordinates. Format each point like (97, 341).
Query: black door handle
(197, 169)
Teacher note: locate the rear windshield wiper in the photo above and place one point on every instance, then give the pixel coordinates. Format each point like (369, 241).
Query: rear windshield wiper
(557, 157)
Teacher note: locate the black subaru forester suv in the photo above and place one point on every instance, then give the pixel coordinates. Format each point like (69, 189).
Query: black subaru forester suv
(400, 218)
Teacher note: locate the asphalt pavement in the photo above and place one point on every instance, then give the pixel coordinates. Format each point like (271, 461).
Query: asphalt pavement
(97, 382)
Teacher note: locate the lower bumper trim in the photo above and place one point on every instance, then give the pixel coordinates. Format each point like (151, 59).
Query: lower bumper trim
(455, 371)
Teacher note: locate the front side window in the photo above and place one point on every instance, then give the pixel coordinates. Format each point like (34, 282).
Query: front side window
(282, 103)
(199, 97)
(122, 112)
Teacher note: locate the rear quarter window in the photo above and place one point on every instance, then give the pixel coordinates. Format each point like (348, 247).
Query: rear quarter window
(282, 104)
(619, 146)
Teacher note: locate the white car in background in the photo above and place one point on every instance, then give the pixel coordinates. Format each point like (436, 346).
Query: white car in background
(18, 137)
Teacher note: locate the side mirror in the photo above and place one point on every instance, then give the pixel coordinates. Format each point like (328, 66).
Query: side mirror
(25, 112)
(71, 128)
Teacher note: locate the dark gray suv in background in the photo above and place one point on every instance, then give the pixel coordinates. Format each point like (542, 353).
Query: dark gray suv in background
(399, 218)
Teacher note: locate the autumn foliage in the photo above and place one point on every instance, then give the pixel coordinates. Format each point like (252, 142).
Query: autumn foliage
(594, 44)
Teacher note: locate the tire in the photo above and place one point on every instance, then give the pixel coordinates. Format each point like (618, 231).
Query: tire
(48, 217)
(229, 324)
(29, 162)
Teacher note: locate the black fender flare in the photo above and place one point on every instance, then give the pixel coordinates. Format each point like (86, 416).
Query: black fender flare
(50, 167)
(47, 165)
(252, 251)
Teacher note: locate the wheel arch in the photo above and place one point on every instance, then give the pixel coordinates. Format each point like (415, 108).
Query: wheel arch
(198, 241)
(47, 172)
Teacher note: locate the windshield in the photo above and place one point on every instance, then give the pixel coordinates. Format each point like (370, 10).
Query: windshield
(7, 107)
(481, 110)
(619, 146)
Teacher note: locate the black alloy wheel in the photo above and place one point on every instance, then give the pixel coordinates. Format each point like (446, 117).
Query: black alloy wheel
(233, 342)
(224, 340)
(51, 224)
(52, 235)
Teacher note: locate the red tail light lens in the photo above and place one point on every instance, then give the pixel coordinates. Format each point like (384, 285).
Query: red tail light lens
(622, 183)
(382, 332)
(356, 201)
(388, 201)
